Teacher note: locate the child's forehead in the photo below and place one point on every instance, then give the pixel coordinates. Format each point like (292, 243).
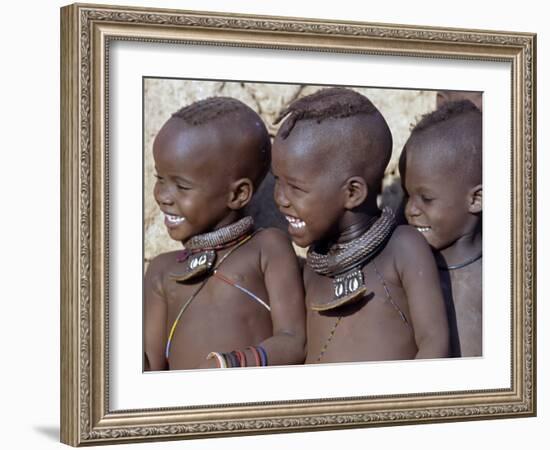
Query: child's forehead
(428, 154)
(421, 171)
(206, 148)
(177, 140)
(190, 158)
(430, 164)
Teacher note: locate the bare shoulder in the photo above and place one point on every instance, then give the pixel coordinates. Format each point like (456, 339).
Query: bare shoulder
(273, 240)
(160, 264)
(406, 239)
(409, 248)
(406, 234)
(276, 251)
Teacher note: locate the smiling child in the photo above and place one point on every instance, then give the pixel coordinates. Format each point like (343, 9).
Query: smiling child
(234, 296)
(372, 290)
(441, 172)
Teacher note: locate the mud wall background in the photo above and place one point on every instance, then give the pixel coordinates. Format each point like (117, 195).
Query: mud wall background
(401, 108)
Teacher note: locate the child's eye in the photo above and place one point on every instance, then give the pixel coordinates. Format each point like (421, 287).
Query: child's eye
(158, 177)
(296, 188)
(426, 199)
(182, 187)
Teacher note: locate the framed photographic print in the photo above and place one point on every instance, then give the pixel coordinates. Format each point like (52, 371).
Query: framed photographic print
(126, 70)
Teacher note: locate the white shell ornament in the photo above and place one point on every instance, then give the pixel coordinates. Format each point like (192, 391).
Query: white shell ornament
(348, 288)
(197, 265)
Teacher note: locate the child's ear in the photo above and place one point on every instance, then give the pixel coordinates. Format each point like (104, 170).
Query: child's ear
(240, 193)
(356, 191)
(475, 199)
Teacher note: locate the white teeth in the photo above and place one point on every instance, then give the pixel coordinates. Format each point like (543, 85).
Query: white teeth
(423, 229)
(175, 220)
(295, 223)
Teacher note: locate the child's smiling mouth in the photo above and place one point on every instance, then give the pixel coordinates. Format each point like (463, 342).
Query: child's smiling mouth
(173, 220)
(422, 229)
(295, 222)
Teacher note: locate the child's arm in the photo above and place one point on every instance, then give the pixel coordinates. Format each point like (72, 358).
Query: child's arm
(283, 281)
(416, 267)
(154, 317)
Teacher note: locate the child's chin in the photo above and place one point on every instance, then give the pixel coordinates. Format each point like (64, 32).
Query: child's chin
(177, 235)
(429, 241)
(301, 241)
(435, 246)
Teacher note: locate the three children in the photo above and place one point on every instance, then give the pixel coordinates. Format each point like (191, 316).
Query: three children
(235, 295)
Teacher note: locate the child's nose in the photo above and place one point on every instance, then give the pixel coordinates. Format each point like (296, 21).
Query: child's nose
(411, 210)
(163, 195)
(279, 196)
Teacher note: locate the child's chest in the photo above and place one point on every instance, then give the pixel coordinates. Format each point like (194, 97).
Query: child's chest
(359, 330)
(466, 282)
(232, 293)
(379, 293)
(462, 290)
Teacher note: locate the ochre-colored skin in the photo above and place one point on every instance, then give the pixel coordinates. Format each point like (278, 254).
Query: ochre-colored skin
(316, 183)
(447, 204)
(222, 318)
(201, 178)
(463, 297)
(372, 329)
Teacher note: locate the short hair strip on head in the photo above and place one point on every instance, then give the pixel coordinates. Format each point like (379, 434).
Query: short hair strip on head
(327, 103)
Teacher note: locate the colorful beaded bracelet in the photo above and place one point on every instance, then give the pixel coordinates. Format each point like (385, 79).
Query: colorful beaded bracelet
(263, 355)
(221, 360)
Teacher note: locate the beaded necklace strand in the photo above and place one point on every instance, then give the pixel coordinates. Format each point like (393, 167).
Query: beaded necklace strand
(195, 293)
(461, 265)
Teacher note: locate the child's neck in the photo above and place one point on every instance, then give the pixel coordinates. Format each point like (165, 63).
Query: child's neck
(354, 224)
(464, 249)
(232, 217)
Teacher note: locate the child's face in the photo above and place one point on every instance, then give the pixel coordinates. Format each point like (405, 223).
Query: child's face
(192, 185)
(438, 200)
(306, 192)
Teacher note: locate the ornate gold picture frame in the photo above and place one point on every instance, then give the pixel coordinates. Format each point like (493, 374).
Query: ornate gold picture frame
(88, 413)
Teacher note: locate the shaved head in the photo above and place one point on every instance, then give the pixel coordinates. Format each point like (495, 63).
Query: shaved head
(344, 129)
(237, 138)
(449, 139)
